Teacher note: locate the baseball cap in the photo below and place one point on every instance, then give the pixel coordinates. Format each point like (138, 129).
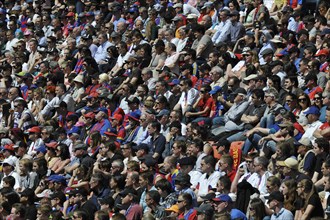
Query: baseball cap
(102, 109)
(266, 52)
(9, 147)
(41, 149)
(241, 91)
(89, 115)
(34, 129)
(322, 52)
(312, 110)
(70, 14)
(173, 208)
(80, 147)
(57, 179)
(222, 198)
(10, 161)
(289, 162)
(117, 117)
(174, 82)
(305, 141)
(215, 90)
(206, 209)
(163, 112)
(134, 115)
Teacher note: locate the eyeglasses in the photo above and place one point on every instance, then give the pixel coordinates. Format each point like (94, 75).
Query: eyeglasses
(288, 100)
(302, 100)
(203, 91)
(44, 133)
(318, 98)
(124, 148)
(246, 55)
(181, 85)
(248, 161)
(179, 201)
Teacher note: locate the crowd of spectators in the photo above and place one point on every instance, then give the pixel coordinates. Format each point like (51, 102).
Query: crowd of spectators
(164, 109)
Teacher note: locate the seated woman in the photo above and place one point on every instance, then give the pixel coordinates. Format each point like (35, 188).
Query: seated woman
(62, 152)
(310, 205)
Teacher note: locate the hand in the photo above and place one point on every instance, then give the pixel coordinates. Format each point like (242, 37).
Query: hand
(261, 141)
(188, 114)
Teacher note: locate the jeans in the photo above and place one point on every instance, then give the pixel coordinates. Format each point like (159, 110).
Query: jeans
(267, 121)
(250, 143)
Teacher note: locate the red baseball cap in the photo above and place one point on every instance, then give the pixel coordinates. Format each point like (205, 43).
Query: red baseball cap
(34, 129)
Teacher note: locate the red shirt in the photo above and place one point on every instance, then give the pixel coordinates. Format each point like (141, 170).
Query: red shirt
(191, 215)
(202, 104)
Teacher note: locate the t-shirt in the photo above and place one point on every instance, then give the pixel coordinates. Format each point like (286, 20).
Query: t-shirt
(315, 201)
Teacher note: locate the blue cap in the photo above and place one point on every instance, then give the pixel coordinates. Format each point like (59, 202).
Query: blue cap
(90, 13)
(73, 130)
(313, 110)
(222, 198)
(134, 115)
(132, 10)
(174, 82)
(41, 149)
(57, 179)
(215, 90)
(283, 52)
(29, 1)
(102, 109)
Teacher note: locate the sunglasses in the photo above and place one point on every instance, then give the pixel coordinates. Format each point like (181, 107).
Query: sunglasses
(302, 100)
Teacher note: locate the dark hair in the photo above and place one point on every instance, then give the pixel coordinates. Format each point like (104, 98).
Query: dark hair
(19, 209)
(154, 195)
(187, 198)
(156, 125)
(209, 159)
(10, 180)
(259, 93)
(120, 180)
(226, 182)
(164, 185)
(198, 143)
(65, 153)
(323, 143)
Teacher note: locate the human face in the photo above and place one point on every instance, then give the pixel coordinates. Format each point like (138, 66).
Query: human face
(300, 189)
(248, 57)
(149, 201)
(204, 167)
(268, 98)
(326, 184)
(126, 151)
(180, 203)
(316, 149)
(318, 99)
(257, 166)
(327, 115)
(290, 102)
(270, 187)
(176, 150)
(167, 165)
(151, 130)
(284, 189)
(129, 181)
